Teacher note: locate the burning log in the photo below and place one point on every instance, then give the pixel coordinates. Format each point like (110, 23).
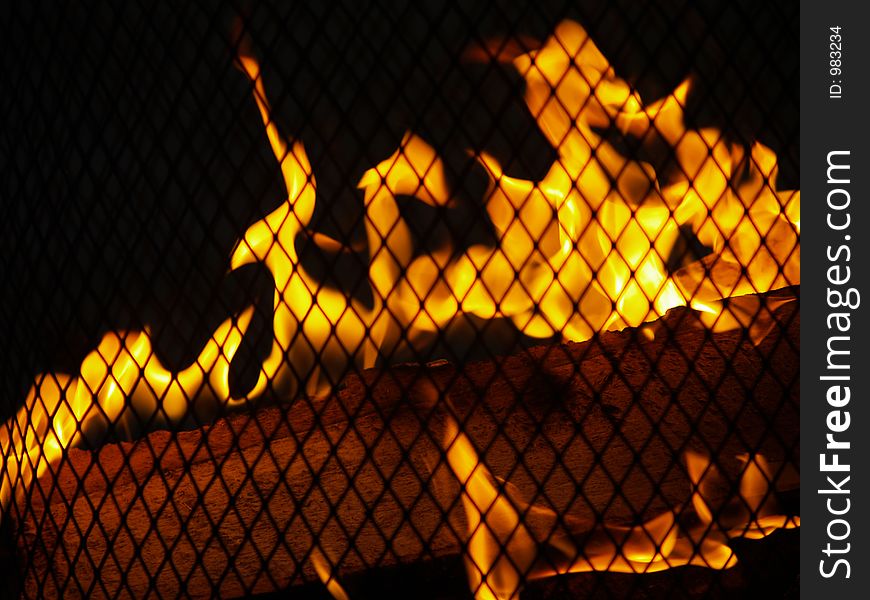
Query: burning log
(589, 248)
(594, 432)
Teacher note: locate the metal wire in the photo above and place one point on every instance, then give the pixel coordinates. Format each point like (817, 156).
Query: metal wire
(134, 159)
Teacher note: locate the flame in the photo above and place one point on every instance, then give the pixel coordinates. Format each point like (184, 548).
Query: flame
(325, 571)
(577, 253)
(502, 552)
(498, 550)
(581, 251)
(121, 386)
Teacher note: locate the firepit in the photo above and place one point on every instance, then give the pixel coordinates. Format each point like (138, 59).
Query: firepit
(548, 350)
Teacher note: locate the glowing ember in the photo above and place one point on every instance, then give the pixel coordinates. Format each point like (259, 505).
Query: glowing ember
(580, 252)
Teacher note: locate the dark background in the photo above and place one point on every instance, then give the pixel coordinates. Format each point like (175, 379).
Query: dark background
(133, 157)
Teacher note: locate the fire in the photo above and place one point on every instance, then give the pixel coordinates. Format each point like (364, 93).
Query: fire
(510, 542)
(577, 255)
(503, 552)
(122, 386)
(324, 570)
(581, 251)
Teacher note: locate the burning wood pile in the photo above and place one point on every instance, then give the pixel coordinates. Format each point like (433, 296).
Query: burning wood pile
(657, 420)
(620, 454)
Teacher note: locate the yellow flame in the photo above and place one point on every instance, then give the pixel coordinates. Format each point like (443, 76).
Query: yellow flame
(121, 385)
(502, 552)
(325, 571)
(576, 254)
(753, 514)
(581, 251)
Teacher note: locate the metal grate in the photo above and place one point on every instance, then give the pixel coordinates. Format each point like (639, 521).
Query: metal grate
(206, 445)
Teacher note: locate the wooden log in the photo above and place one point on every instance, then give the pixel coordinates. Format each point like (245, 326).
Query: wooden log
(594, 430)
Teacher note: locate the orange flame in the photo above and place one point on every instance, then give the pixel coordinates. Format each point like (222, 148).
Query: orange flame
(502, 552)
(121, 384)
(325, 571)
(578, 254)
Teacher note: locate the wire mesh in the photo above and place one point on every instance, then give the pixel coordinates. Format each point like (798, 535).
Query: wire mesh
(324, 296)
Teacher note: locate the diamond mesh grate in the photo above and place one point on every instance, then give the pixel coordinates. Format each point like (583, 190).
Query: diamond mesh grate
(349, 298)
